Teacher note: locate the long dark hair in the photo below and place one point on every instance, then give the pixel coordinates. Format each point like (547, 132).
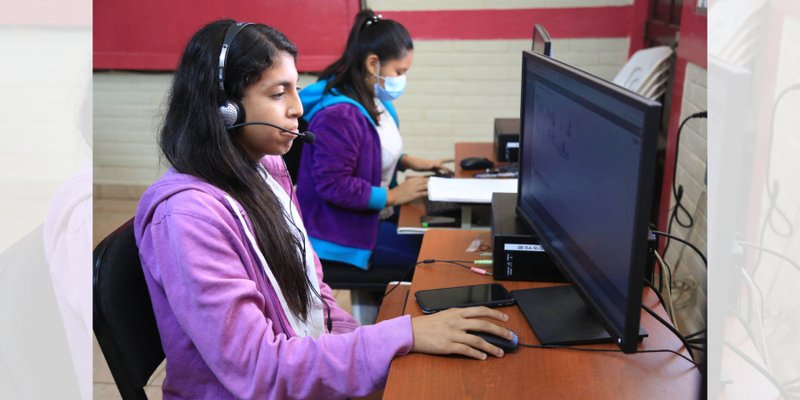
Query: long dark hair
(194, 140)
(387, 39)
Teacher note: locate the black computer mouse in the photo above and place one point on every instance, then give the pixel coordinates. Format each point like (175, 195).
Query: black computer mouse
(473, 163)
(507, 345)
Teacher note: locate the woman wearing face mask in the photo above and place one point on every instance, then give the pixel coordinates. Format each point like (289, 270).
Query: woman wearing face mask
(346, 184)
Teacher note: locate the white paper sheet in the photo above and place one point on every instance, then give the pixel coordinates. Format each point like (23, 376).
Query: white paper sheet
(468, 190)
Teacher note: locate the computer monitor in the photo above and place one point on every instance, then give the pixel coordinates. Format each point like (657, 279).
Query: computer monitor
(541, 41)
(587, 162)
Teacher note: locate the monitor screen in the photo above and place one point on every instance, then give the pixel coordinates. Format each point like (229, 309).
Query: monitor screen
(587, 166)
(541, 41)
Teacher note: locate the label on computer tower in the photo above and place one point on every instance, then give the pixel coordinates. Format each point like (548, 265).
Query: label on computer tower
(523, 247)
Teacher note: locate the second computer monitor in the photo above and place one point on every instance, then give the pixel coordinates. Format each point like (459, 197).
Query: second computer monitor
(587, 166)
(541, 41)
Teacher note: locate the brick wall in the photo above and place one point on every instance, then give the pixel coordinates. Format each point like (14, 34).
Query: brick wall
(689, 287)
(128, 109)
(455, 90)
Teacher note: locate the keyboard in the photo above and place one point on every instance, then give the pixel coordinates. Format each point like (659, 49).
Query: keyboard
(442, 208)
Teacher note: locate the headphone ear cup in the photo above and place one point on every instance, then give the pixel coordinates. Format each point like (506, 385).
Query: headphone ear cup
(232, 113)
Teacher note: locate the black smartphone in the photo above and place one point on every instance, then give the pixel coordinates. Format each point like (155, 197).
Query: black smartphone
(489, 294)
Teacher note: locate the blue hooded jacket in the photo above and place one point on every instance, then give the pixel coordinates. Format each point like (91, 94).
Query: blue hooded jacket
(315, 99)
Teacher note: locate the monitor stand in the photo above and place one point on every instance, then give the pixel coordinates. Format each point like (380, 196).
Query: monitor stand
(559, 316)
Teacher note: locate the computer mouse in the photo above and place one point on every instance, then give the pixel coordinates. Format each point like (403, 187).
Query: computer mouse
(508, 346)
(472, 163)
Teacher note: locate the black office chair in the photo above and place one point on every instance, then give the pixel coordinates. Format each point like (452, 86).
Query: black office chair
(366, 287)
(124, 322)
(343, 276)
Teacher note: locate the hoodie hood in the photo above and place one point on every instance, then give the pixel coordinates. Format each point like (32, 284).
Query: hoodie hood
(315, 99)
(174, 182)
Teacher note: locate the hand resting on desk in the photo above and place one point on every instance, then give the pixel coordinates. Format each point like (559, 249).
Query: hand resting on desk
(422, 165)
(446, 332)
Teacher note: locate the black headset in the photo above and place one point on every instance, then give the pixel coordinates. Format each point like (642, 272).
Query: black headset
(230, 110)
(232, 113)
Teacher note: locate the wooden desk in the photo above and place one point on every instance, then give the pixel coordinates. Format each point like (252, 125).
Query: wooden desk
(409, 221)
(533, 373)
(411, 213)
(394, 304)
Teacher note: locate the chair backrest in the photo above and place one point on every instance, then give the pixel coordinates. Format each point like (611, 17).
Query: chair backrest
(124, 322)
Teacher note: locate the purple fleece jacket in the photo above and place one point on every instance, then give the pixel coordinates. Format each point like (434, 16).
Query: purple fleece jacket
(338, 175)
(223, 330)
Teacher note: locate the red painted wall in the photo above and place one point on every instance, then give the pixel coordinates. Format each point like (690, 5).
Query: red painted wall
(578, 22)
(638, 26)
(151, 34)
(692, 48)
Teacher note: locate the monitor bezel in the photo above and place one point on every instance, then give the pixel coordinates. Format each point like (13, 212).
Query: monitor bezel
(628, 336)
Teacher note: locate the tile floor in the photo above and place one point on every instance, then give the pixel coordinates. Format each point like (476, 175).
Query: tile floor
(110, 213)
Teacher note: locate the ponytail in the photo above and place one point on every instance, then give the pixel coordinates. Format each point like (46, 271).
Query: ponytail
(370, 34)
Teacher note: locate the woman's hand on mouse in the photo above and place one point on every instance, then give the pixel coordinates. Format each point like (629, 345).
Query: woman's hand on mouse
(446, 332)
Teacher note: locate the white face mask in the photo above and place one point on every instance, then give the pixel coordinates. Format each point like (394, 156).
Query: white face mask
(393, 86)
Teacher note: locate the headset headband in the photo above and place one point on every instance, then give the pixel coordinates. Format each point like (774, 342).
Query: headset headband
(230, 34)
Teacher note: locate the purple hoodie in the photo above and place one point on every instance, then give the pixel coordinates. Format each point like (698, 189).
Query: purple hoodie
(223, 330)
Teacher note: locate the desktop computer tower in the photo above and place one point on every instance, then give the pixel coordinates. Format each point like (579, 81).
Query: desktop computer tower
(517, 254)
(506, 139)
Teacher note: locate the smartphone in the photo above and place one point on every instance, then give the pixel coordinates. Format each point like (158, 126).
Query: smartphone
(490, 295)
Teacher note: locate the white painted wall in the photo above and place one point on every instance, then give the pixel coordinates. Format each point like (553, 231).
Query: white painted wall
(455, 90)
